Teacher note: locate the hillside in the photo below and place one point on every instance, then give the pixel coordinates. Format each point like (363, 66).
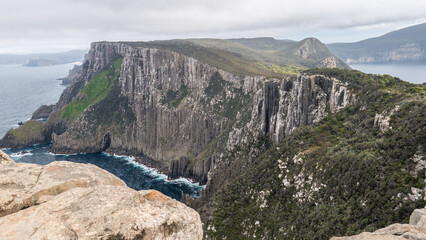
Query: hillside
(308, 53)
(404, 45)
(356, 170)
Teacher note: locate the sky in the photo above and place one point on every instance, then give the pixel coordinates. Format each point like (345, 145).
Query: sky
(28, 26)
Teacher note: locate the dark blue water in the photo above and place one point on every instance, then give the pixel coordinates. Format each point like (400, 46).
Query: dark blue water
(135, 175)
(24, 89)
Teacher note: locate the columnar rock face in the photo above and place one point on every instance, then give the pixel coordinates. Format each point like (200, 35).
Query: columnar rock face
(182, 107)
(415, 230)
(65, 200)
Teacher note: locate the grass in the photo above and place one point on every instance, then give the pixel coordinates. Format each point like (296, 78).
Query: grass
(30, 130)
(95, 91)
(174, 98)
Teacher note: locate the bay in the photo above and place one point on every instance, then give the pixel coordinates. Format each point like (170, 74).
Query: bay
(413, 73)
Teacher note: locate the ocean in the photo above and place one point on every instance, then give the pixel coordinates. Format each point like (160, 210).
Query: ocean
(413, 73)
(24, 89)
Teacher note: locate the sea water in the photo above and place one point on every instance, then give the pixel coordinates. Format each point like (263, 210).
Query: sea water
(413, 73)
(135, 175)
(24, 89)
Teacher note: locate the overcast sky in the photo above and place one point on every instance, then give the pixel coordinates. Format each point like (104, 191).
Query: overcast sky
(59, 25)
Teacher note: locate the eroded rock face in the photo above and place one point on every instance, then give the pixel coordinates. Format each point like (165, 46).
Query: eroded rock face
(416, 230)
(65, 200)
(42, 112)
(104, 212)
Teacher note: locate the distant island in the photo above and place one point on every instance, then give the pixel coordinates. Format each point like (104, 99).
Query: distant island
(43, 59)
(407, 45)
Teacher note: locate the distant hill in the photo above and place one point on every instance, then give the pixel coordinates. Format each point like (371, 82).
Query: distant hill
(43, 59)
(254, 56)
(404, 45)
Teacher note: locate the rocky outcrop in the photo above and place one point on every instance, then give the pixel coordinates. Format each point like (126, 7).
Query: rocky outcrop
(104, 212)
(65, 200)
(42, 112)
(4, 158)
(72, 74)
(24, 185)
(415, 230)
(30, 133)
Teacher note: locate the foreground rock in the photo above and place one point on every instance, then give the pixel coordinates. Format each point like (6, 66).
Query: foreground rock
(415, 230)
(65, 200)
(23, 185)
(4, 158)
(104, 212)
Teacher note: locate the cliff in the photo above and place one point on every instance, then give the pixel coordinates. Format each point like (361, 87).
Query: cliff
(65, 200)
(178, 112)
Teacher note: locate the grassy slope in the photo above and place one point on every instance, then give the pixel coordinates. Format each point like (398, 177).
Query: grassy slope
(95, 91)
(230, 62)
(245, 57)
(363, 170)
(264, 44)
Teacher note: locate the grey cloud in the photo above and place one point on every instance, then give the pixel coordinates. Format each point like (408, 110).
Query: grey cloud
(90, 20)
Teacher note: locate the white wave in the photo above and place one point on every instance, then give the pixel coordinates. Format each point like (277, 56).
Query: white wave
(61, 154)
(154, 172)
(20, 154)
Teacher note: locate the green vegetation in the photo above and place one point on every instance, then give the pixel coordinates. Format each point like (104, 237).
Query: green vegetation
(113, 110)
(286, 70)
(216, 85)
(174, 98)
(31, 130)
(351, 176)
(95, 91)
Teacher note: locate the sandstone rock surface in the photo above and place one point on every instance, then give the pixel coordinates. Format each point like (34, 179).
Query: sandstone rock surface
(65, 200)
(416, 230)
(23, 185)
(104, 212)
(4, 158)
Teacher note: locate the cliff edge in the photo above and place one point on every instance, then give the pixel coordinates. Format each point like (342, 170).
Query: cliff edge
(65, 200)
